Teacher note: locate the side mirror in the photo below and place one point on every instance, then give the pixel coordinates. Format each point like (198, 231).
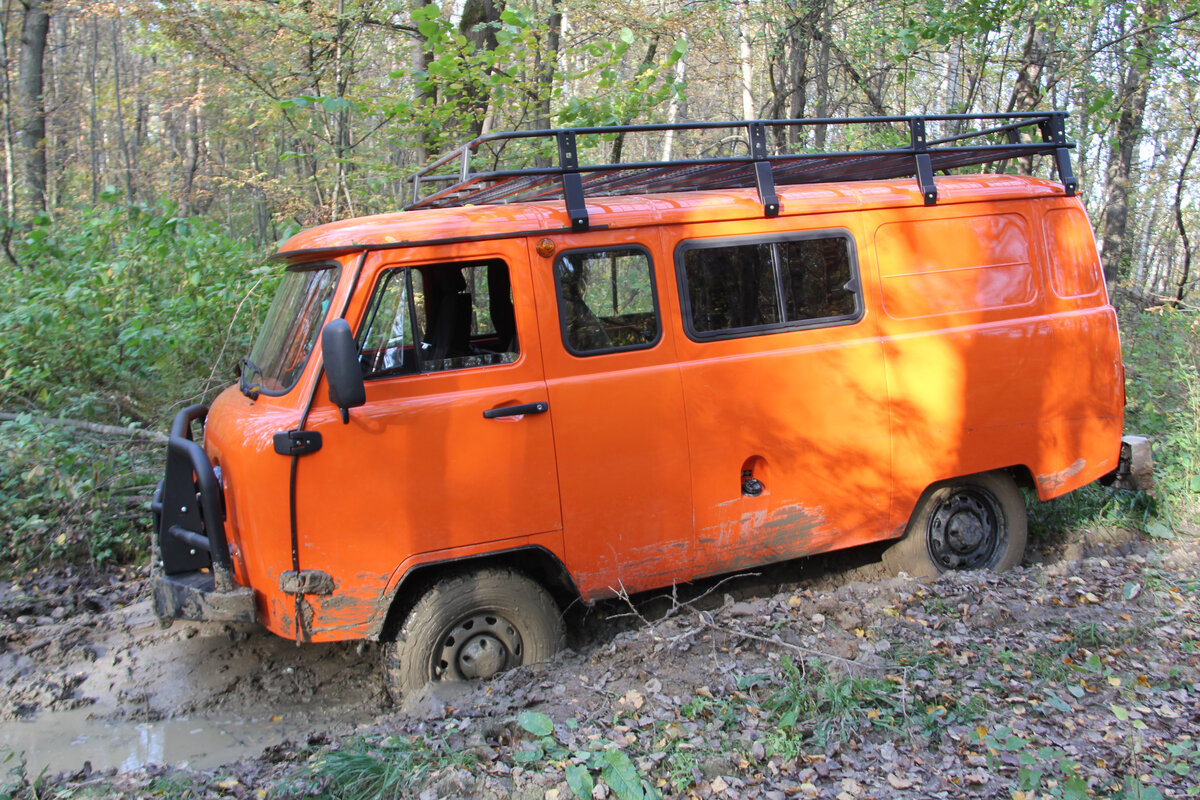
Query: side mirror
(346, 388)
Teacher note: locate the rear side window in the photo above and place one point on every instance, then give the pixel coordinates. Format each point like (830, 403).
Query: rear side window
(437, 318)
(606, 300)
(743, 286)
(1073, 262)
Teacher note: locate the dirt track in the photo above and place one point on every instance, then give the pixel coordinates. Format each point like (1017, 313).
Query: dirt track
(92, 644)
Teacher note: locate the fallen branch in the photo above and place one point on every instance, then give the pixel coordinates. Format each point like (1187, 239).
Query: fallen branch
(94, 427)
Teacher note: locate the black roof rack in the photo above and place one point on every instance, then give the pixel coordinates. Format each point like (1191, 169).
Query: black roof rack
(1001, 137)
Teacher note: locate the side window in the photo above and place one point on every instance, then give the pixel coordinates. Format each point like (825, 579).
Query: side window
(606, 300)
(437, 318)
(740, 286)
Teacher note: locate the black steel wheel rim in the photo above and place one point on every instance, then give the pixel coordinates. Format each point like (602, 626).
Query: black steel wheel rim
(966, 530)
(477, 646)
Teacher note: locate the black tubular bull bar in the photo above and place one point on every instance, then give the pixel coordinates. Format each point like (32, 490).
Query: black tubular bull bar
(193, 571)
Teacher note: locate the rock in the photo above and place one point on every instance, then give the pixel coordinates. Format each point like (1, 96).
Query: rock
(743, 609)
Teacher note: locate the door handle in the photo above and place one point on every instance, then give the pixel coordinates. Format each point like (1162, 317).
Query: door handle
(516, 411)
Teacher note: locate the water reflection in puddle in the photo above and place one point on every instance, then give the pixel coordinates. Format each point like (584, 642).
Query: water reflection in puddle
(62, 741)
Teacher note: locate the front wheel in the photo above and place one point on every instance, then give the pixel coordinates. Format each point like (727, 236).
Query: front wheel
(974, 522)
(473, 625)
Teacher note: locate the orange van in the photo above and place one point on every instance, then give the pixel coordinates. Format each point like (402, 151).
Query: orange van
(549, 384)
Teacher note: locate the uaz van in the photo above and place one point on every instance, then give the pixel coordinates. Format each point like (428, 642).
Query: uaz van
(560, 383)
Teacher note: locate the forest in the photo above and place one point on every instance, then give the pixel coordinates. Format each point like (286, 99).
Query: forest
(155, 152)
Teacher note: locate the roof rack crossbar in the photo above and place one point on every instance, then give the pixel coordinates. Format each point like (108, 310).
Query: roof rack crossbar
(571, 181)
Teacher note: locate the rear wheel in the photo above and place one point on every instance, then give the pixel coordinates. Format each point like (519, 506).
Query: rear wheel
(473, 625)
(974, 522)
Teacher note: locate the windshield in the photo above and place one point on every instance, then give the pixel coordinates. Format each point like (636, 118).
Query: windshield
(290, 330)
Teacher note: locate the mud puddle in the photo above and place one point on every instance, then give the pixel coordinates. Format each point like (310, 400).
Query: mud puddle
(106, 684)
(64, 741)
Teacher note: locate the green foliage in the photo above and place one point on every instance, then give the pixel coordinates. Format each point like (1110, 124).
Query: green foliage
(115, 304)
(581, 766)
(15, 783)
(813, 705)
(118, 315)
(70, 496)
(365, 769)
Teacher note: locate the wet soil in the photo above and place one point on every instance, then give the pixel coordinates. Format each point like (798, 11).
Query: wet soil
(84, 663)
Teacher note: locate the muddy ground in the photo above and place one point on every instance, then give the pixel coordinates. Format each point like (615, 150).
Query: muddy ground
(1076, 675)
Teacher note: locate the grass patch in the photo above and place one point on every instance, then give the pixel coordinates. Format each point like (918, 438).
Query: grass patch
(366, 769)
(812, 705)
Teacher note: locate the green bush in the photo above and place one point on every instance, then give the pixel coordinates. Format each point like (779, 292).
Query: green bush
(120, 312)
(118, 315)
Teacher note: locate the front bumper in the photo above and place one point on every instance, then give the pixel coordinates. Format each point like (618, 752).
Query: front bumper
(194, 596)
(193, 576)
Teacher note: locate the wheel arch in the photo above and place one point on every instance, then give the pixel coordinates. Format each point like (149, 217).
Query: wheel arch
(1020, 474)
(534, 561)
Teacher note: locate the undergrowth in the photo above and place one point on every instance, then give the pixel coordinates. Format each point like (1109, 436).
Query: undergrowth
(116, 316)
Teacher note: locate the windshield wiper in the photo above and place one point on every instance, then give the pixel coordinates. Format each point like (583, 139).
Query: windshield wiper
(249, 378)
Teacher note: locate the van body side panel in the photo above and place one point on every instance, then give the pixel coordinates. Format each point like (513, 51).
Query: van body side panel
(986, 369)
(620, 440)
(419, 472)
(805, 412)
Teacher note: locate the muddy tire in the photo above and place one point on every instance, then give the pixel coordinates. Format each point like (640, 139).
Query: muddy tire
(974, 522)
(471, 626)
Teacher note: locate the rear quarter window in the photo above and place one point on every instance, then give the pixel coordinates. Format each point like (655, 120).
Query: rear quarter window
(1071, 256)
(936, 267)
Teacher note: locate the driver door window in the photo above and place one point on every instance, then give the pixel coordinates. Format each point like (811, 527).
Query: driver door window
(438, 318)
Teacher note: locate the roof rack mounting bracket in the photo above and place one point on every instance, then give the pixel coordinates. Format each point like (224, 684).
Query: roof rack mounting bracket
(920, 146)
(572, 183)
(1054, 130)
(764, 176)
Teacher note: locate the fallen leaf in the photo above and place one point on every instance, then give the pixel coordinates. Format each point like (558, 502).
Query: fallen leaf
(898, 782)
(633, 698)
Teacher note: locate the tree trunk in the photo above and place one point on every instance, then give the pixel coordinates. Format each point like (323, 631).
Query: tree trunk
(191, 147)
(1135, 89)
(668, 142)
(1187, 248)
(646, 63)
(122, 140)
(744, 63)
(35, 26)
(545, 67)
(545, 64)
(7, 109)
(478, 25)
(94, 144)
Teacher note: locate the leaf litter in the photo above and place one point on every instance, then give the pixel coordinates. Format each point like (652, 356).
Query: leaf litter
(1072, 677)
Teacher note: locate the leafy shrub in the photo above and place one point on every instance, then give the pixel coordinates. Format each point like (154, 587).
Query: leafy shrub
(119, 315)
